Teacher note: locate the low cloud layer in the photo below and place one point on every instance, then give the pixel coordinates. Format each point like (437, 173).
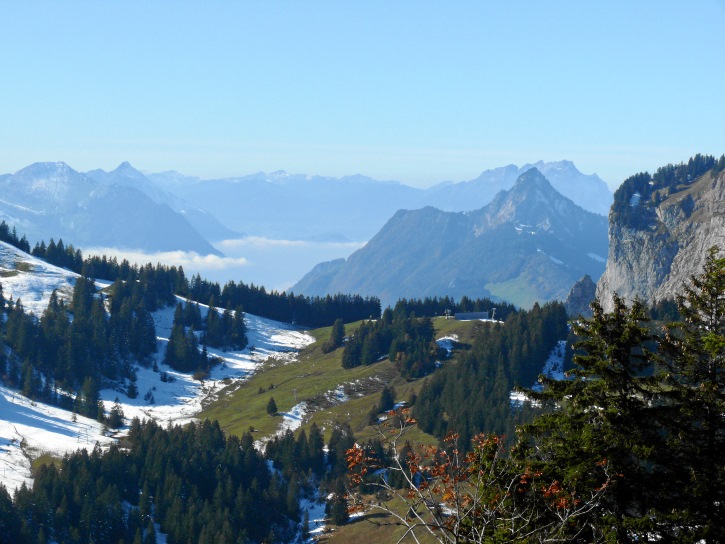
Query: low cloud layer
(187, 259)
(258, 242)
(275, 264)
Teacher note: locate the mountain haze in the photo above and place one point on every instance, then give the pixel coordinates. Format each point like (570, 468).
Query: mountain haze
(530, 243)
(354, 208)
(587, 191)
(51, 200)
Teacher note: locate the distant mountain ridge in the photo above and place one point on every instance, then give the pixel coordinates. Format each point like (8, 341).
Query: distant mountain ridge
(296, 206)
(52, 200)
(587, 191)
(530, 243)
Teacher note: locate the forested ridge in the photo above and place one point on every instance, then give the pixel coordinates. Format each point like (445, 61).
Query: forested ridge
(636, 198)
(503, 355)
(162, 282)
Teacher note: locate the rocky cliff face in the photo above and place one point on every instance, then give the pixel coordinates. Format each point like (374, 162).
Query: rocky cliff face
(653, 261)
(581, 295)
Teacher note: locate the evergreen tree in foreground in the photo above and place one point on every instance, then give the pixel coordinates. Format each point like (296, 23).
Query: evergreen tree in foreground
(604, 424)
(693, 352)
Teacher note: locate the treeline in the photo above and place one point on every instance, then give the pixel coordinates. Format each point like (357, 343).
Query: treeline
(11, 237)
(667, 179)
(404, 339)
(435, 306)
(472, 396)
(170, 280)
(287, 307)
(197, 484)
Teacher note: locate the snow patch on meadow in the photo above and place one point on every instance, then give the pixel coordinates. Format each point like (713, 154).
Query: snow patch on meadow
(553, 368)
(29, 429)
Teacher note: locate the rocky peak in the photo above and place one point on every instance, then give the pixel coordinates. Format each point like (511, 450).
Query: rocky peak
(581, 295)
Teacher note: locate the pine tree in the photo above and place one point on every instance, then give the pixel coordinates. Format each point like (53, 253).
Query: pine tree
(387, 399)
(604, 424)
(271, 406)
(337, 335)
(693, 351)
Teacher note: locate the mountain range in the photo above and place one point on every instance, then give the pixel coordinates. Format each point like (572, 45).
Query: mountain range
(530, 243)
(118, 209)
(353, 208)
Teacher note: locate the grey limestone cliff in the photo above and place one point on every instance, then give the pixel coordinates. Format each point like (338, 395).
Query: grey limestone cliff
(653, 261)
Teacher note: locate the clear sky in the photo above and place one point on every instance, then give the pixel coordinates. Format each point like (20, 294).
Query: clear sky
(414, 91)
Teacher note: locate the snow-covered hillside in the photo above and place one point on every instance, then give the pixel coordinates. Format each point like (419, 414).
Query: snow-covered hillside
(179, 400)
(29, 429)
(32, 280)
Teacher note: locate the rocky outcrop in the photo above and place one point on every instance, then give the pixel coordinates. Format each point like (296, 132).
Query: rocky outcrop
(653, 261)
(580, 296)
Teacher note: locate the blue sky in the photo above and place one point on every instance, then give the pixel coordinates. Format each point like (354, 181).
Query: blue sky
(418, 91)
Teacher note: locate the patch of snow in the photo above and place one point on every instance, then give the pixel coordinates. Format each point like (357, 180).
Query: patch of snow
(316, 512)
(597, 258)
(29, 429)
(447, 343)
(292, 420)
(635, 200)
(338, 396)
(32, 280)
(553, 368)
(178, 401)
(518, 398)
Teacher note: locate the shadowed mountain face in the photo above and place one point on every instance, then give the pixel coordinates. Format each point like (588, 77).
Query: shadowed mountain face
(51, 200)
(529, 244)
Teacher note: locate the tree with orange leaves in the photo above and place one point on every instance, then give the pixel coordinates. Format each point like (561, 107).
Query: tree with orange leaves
(482, 495)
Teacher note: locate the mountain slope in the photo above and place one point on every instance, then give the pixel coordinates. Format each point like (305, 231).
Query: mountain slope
(659, 235)
(530, 243)
(51, 200)
(126, 175)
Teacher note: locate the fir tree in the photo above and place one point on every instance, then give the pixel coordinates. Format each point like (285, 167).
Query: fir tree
(604, 424)
(271, 406)
(693, 352)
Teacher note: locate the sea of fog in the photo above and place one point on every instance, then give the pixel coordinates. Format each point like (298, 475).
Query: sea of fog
(275, 264)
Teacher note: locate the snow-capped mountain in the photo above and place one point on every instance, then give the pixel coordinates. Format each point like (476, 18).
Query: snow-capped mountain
(52, 200)
(126, 175)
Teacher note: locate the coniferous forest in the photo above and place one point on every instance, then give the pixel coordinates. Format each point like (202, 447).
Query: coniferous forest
(627, 448)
